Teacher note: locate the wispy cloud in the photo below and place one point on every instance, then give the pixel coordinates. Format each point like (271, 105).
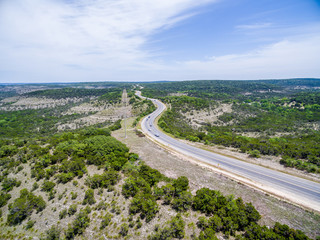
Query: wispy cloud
(254, 26)
(68, 40)
(284, 59)
(97, 34)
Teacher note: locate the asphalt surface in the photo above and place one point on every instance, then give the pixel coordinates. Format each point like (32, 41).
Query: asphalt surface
(294, 189)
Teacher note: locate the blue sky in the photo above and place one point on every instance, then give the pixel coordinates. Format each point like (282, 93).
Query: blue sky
(143, 40)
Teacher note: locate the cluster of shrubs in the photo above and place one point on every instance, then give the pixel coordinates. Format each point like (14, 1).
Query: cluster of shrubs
(227, 214)
(79, 224)
(72, 151)
(174, 229)
(106, 180)
(9, 183)
(4, 198)
(144, 186)
(223, 213)
(23, 207)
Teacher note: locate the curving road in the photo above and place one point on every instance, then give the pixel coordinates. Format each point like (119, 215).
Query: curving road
(297, 190)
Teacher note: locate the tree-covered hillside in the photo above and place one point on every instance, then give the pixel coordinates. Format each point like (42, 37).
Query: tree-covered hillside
(122, 199)
(274, 117)
(82, 183)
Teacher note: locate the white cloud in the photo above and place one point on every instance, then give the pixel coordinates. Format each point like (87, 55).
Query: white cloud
(60, 40)
(96, 34)
(284, 59)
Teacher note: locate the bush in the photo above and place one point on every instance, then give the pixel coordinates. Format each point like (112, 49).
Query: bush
(183, 202)
(124, 228)
(65, 177)
(181, 184)
(8, 150)
(30, 224)
(207, 233)
(254, 153)
(89, 197)
(104, 180)
(105, 220)
(35, 186)
(106, 149)
(145, 204)
(9, 183)
(168, 191)
(53, 233)
(72, 209)
(4, 198)
(150, 175)
(79, 224)
(74, 195)
(175, 229)
(115, 126)
(63, 213)
(133, 185)
(47, 186)
(23, 207)
(206, 200)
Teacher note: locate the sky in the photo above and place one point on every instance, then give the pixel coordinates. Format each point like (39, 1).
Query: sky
(142, 40)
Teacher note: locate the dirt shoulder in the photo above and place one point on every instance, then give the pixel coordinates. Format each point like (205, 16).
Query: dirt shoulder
(272, 209)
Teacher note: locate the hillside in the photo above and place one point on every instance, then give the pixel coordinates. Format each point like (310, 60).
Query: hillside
(78, 182)
(259, 118)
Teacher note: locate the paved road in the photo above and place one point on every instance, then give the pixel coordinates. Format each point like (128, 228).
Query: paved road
(298, 190)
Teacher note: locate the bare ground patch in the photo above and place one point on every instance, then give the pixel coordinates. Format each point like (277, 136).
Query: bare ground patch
(106, 113)
(22, 103)
(210, 115)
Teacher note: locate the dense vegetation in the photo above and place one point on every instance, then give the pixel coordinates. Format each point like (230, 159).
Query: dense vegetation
(284, 119)
(113, 95)
(67, 93)
(222, 90)
(43, 121)
(23, 207)
(70, 155)
(31, 122)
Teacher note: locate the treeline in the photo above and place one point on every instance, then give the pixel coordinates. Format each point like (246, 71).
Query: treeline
(67, 93)
(232, 90)
(215, 89)
(307, 98)
(113, 95)
(186, 103)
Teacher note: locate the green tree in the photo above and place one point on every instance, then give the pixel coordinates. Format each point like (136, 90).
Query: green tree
(23, 207)
(89, 197)
(181, 184)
